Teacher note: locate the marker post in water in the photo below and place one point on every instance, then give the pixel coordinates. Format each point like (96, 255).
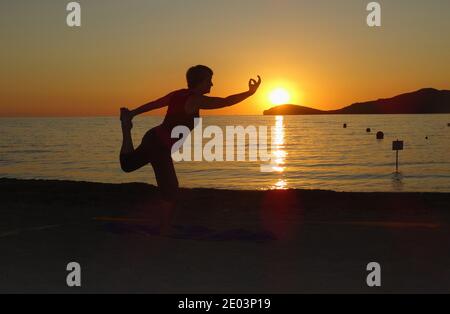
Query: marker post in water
(397, 145)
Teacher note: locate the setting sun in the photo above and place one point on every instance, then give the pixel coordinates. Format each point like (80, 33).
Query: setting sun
(279, 96)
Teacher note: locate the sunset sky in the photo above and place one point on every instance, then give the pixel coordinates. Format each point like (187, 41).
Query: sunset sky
(129, 52)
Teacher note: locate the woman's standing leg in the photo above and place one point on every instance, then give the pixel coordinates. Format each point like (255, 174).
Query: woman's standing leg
(166, 178)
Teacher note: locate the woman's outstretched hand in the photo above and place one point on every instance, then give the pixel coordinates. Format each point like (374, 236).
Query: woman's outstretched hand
(253, 85)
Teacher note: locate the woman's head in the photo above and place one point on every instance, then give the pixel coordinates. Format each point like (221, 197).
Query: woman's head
(199, 77)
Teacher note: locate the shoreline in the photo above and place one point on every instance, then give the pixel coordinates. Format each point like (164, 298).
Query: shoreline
(4, 180)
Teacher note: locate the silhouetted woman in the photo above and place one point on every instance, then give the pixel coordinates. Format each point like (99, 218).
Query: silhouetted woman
(183, 106)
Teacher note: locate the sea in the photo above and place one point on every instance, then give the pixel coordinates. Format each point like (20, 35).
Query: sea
(308, 152)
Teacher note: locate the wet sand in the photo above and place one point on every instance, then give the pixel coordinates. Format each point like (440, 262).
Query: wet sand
(220, 241)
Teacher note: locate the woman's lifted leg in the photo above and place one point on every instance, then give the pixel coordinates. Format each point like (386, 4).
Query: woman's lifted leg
(131, 159)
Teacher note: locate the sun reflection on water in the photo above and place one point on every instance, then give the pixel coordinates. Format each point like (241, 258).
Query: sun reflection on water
(278, 153)
(280, 185)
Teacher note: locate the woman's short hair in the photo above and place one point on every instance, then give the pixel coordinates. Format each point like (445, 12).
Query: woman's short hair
(196, 74)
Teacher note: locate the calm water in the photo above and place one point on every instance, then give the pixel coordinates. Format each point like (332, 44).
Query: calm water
(313, 152)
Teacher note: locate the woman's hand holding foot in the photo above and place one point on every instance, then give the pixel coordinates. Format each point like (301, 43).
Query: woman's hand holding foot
(125, 118)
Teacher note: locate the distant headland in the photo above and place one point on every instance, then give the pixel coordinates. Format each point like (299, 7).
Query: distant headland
(426, 100)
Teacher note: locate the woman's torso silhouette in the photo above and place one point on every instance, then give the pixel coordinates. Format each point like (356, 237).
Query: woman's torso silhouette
(176, 116)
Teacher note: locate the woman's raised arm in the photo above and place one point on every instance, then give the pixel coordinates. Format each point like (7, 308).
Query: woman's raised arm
(156, 104)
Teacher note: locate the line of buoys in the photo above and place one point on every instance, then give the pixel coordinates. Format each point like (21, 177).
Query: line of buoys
(380, 135)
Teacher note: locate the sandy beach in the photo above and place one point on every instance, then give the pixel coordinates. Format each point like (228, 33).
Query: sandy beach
(221, 241)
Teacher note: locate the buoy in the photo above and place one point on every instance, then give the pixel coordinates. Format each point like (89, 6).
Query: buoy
(368, 130)
(380, 135)
(397, 145)
(345, 125)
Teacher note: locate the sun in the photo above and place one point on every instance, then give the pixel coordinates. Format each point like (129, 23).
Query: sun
(279, 96)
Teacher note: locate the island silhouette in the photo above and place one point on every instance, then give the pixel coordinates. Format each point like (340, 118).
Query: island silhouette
(423, 101)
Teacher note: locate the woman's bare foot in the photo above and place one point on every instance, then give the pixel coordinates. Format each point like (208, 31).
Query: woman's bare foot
(125, 118)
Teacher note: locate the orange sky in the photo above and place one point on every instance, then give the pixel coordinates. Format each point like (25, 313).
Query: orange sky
(128, 53)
